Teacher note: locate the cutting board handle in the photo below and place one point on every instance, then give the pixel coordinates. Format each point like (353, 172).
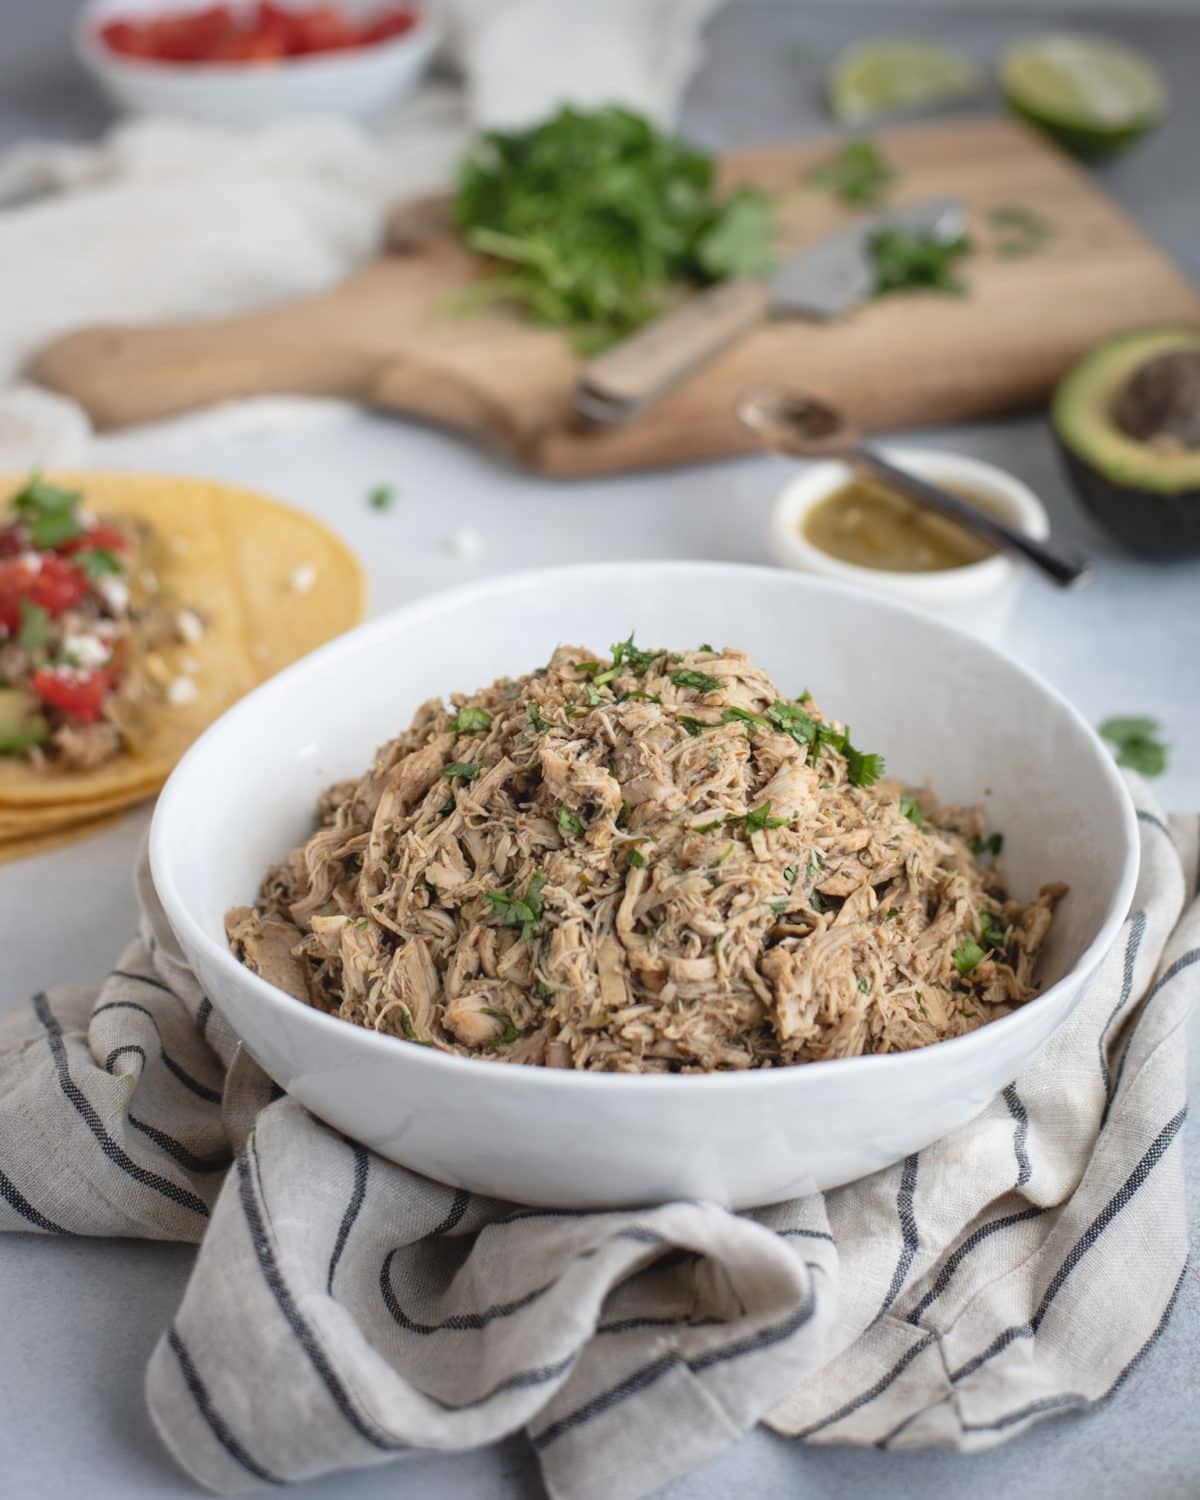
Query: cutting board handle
(616, 384)
(126, 375)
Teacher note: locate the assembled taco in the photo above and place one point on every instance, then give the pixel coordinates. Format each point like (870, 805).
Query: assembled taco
(134, 609)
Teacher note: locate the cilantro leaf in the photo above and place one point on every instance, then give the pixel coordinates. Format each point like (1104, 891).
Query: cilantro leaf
(856, 174)
(464, 770)
(48, 512)
(761, 818)
(592, 217)
(699, 682)
(99, 562)
(626, 654)
(35, 625)
(568, 823)
(907, 261)
(1137, 744)
(536, 722)
(911, 809)
(524, 911)
(981, 844)
(637, 859)
(736, 715)
(967, 956)
(470, 721)
(992, 934)
(381, 497)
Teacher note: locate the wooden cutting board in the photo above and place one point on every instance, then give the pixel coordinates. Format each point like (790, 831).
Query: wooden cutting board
(388, 335)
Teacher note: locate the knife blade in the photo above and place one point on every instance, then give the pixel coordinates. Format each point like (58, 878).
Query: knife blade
(821, 282)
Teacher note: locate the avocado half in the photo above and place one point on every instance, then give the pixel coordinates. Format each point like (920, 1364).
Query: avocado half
(1127, 421)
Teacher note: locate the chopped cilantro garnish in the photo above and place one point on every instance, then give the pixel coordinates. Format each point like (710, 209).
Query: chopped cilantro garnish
(992, 934)
(1137, 744)
(920, 1002)
(908, 261)
(815, 864)
(471, 721)
(861, 769)
(568, 822)
(694, 726)
(511, 1031)
(637, 859)
(537, 723)
(99, 562)
(761, 818)
(793, 721)
(50, 514)
(519, 911)
(815, 901)
(593, 697)
(709, 827)
(637, 693)
(626, 654)
(623, 815)
(699, 682)
(864, 986)
(891, 914)
(790, 874)
(911, 809)
(741, 715)
(779, 906)
(704, 646)
(35, 625)
(381, 497)
(967, 956)
(992, 843)
(465, 770)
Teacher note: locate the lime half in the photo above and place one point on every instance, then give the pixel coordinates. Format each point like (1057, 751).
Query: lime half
(892, 74)
(1092, 94)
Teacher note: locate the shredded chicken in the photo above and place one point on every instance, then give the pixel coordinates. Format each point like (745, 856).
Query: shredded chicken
(649, 865)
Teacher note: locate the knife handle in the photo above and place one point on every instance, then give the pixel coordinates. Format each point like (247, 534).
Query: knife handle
(617, 384)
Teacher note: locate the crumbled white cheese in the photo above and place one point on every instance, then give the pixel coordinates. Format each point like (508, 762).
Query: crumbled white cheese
(86, 650)
(181, 691)
(114, 592)
(189, 625)
(465, 543)
(302, 578)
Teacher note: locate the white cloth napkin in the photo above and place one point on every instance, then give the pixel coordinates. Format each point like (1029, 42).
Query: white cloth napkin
(343, 1309)
(167, 220)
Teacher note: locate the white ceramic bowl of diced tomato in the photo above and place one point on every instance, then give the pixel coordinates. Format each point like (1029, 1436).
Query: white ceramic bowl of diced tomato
(254, 61)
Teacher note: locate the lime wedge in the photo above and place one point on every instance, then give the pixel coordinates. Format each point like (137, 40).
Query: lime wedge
(891, 74)
(1092, 94)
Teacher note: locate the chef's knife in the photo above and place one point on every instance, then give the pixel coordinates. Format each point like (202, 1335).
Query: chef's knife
(821, 282)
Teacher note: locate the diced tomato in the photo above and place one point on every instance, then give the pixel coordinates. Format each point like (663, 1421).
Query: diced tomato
(267, 33)
(56, 585)
(78, 693)
(388, 24)
(13, 539)
(99, 535)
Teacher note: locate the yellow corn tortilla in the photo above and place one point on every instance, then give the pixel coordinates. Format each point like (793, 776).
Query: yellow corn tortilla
(271, 582)
(43, 843)
(24, 822)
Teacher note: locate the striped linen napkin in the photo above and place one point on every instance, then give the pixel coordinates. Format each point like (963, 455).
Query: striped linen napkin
(342, 1309)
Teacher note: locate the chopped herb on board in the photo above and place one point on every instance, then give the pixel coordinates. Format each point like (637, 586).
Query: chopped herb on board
(911, 262)
(1021, 230)
(857, 174)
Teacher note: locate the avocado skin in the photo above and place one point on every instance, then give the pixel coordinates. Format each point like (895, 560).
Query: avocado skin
(1154, 525)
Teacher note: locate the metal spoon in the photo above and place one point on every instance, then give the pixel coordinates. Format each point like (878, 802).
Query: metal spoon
(789, 422)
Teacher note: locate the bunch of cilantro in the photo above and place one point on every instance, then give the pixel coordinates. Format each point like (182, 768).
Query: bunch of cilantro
(595, 218)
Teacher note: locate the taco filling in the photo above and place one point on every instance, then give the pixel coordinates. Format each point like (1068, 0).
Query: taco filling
(82, 613)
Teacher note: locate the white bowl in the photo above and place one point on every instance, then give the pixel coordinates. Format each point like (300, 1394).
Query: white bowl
(978, 597)
(936, 701)
(359, 83)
